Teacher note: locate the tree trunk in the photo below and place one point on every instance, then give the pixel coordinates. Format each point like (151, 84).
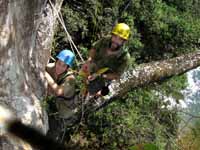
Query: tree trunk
(26, 31)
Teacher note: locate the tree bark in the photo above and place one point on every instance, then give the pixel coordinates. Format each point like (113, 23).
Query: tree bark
(26, 32)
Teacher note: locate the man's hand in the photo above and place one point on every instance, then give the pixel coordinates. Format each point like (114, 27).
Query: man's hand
(89, 59)
(92, 77)
(85, 67)
(58, 90)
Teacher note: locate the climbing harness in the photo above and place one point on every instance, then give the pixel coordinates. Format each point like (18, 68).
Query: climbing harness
(95, 85)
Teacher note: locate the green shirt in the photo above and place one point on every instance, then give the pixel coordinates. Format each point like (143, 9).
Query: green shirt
(68, 84)
(116, 63)
(66, 108)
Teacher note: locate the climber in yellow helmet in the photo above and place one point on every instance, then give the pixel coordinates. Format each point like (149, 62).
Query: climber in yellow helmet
(109, 52)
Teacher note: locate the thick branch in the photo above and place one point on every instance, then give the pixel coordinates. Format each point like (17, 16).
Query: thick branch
(148, 73)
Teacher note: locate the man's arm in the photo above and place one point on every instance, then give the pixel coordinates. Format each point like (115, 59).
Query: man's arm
(111, 76)
(87, 65)
(92, 54)
(58, 90)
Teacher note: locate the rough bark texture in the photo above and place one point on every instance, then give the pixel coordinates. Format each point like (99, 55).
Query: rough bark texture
(26, 29)
(145, 74)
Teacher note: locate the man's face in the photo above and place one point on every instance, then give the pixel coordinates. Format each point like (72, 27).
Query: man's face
(61, 67)
(116, 42)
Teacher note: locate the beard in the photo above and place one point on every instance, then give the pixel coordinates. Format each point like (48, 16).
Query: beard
(115, 46)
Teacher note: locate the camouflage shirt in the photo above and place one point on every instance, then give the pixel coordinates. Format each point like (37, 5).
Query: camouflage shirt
(116, 63)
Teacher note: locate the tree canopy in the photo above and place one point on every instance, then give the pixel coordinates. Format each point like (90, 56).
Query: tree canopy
(161, 30)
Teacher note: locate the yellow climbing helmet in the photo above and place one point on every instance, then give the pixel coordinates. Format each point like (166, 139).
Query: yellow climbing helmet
(122, 30)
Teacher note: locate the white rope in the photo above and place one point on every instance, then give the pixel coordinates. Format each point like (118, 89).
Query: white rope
(60, 18)
(68, 36)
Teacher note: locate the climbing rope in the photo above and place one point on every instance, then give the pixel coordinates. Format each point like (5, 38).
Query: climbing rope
(121, 12)
(72, 45)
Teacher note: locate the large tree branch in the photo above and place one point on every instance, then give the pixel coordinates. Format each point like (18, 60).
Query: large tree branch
(145, 74)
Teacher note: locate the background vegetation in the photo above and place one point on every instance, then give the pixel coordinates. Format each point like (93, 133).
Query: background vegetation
(161, 29)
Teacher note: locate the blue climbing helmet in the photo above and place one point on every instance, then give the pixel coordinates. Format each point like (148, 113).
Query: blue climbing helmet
(66, 56)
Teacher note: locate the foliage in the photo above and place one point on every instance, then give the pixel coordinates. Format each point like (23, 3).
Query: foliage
(165, 31)
(190, 140)
(160, 30)
(172, 87)
(140, 117)
(144, 146)
(48, 103)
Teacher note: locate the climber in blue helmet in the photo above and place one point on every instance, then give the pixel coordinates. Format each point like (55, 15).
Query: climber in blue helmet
(61, 83)
(67, 57)
(59, 76)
